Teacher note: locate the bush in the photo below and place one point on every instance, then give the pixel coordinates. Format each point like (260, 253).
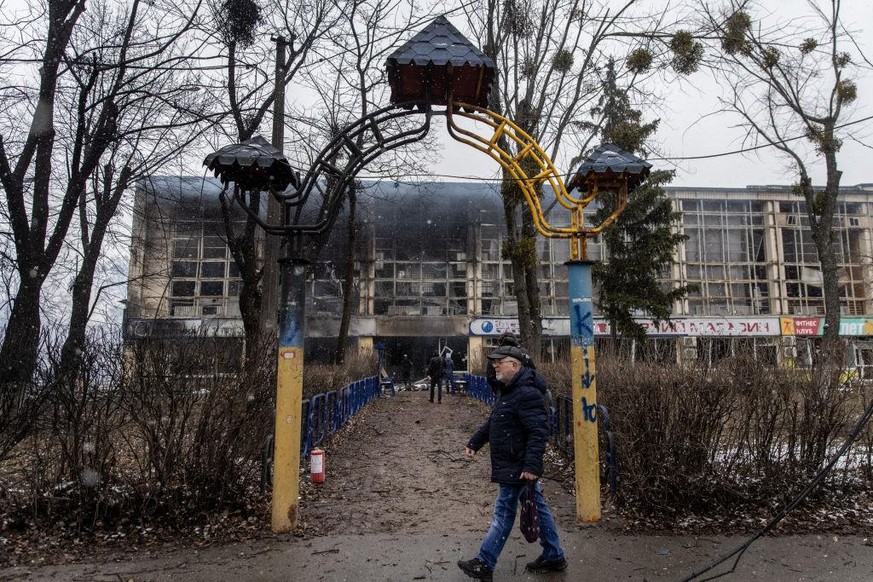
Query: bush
(320, 378)
(194, 436)
(157, 431)
(667, 430)
(718, 440)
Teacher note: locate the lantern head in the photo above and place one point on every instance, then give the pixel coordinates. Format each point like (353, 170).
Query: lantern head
(253, 165)
(439, 65)
(608, 167)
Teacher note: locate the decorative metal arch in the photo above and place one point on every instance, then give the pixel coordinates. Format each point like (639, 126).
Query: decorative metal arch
(330, 181)
(505, 129)
(372, 130)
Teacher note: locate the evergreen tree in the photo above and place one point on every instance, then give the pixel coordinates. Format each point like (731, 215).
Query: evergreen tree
(640, 244)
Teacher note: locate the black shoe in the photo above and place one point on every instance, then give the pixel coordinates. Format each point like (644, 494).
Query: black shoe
(543, 565)
(476, 568)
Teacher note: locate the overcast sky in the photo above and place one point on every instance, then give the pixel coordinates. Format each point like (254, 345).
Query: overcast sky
(689, 128)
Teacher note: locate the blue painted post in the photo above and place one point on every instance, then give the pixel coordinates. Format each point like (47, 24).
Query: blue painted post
(584, 377)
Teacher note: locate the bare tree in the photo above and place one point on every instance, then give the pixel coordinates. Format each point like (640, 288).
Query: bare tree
(791, 81)
(124, 66)
(550, 56)
(241, 31)
(26, 171)
(61, 144)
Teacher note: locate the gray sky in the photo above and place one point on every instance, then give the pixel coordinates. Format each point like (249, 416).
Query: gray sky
(689, 128)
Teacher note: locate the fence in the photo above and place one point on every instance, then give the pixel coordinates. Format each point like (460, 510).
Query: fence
(560, 424)
(324, 414)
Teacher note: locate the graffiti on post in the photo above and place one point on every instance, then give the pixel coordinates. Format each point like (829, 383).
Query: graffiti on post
(589, 414)
(582, 322)
(587, 377)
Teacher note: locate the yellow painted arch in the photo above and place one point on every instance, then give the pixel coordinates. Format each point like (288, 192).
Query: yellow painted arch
(504, 130)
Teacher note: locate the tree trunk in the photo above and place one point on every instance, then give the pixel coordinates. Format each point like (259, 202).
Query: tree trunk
(348, 281)
(532, 288)
(81, 303)
(92, 247)
(821, 208)
(513, 242)
(829, 360)
(250, 311)
(827, 250)
(20, 351)
(18, 361)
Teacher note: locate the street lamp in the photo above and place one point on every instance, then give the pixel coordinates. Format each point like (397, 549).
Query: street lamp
(252, 167)
(607, 171)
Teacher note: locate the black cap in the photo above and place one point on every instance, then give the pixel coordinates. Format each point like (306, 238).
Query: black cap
(507, 352)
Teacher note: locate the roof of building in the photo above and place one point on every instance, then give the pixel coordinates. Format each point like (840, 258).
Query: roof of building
(440, 194)
(178, 187)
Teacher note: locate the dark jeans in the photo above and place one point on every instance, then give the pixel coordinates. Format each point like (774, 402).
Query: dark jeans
(504, 516)
(438, 384)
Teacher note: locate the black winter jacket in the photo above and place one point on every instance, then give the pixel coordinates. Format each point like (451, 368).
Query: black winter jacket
(517, 429)
(435, 367)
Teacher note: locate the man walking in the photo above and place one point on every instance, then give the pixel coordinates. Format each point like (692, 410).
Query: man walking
(435, 374)
(517, 430)
(406, 370)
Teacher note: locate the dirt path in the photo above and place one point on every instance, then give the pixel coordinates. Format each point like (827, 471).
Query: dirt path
(400, 468)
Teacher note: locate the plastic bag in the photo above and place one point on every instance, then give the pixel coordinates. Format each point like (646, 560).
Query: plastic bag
(530, 517)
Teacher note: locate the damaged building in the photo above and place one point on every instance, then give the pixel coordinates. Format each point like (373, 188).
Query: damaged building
(428, 272)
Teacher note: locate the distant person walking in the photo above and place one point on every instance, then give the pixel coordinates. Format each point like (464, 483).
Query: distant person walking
(517, 431)
(449, 373)
(435, 369)
(406, 370)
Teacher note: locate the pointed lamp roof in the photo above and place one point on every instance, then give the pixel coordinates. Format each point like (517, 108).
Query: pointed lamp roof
(253, 164)
(437, 63)
(608, 162)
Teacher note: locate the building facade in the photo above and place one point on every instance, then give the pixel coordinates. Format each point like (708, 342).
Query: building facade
(429, 272)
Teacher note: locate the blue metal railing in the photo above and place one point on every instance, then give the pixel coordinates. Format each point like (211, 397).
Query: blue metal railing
(561, 424)
(325, 413)
(478, 388)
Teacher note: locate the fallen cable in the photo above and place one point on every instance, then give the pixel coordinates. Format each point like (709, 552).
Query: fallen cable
(739, 551)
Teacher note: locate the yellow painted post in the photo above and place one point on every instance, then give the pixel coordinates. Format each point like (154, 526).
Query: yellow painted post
(787, 355)
(289, 397)
(584, 380)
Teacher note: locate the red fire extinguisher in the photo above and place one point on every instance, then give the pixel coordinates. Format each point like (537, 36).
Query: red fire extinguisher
(316, 465)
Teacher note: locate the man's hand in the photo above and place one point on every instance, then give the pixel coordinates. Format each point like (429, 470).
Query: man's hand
(528, 476)
(469, 453)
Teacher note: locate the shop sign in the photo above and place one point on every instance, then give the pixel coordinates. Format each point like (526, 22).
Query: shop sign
(686, 326)
(814, 326)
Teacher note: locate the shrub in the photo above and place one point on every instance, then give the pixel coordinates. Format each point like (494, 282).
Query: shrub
(693, 440)
(166, 431)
